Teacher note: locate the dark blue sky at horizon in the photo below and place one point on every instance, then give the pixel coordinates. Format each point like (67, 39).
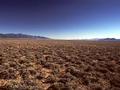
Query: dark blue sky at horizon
(61, 19)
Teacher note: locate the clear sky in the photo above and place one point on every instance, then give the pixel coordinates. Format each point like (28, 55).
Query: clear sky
(61, 19)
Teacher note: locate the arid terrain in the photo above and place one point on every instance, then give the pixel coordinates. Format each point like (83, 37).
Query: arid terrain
(59, 65)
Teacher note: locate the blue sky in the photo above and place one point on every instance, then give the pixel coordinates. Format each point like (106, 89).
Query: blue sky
(61, 19)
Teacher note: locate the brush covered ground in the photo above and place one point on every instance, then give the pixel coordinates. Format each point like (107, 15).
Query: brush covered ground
(59, 65)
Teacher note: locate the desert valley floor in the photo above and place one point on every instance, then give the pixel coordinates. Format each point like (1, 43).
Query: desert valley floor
(59, 65)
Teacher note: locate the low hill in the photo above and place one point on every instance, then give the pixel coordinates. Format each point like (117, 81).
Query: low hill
(109, 39)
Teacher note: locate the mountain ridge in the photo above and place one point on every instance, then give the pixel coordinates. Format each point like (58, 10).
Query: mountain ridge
(106, 39)
(20, 35)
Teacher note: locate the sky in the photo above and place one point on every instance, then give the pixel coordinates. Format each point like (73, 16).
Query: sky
(61, 19)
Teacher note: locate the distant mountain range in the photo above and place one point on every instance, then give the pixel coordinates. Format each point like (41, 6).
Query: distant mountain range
(11, 35)
(107, 39)
(20, 36)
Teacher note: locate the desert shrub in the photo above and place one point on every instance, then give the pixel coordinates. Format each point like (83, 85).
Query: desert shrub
(69, 86)
(22, 61)
(51, 66)
(32, 72)
(12, 73)
(8, 74)
(51, 79)
(67, 75)
(28, 65)
(64, 80)
(67, 65)
(30, 58)
(108, 75)
(61, 86)
(41, 75)
(60, 61)
(43, 62)
(39, 62)
(114, 88)
(56, 86)
(39, 67)
(21, 86)
(22, 66)
(6, 66)
(30, 82)
(89, 69)
(77, 73)
(13, 64)
(48, 58)
(85, 81)
(55, 71)
(70, 69)
(95, 87)
(101, 69)
(115, 81)
(24, 73)
(4, 74)
(118, 69)
(38, 56)
(93, 79)
(1, 61)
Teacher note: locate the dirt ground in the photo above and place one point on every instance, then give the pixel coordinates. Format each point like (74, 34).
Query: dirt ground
(59, 65)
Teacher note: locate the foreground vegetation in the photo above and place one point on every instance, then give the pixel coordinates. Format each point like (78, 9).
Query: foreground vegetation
(59, 65)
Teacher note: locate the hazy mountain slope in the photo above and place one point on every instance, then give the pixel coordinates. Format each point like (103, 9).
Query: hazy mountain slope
(11, 35)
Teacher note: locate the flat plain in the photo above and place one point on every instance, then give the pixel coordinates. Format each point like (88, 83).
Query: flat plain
(59, 65)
